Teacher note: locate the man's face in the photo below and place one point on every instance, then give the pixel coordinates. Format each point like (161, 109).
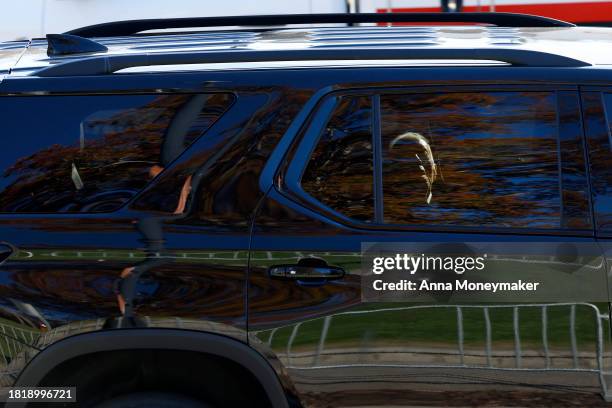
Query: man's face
(414, 148)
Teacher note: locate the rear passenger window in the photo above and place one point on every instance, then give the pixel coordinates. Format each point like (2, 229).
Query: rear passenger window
(465, 158)
(598, 124)
(94, 153)
(486, 158)
(339, 173)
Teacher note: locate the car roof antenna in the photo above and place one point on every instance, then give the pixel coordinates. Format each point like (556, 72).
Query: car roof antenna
(67, 44)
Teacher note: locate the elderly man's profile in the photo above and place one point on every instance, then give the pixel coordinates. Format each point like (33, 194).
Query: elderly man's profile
(427, 164)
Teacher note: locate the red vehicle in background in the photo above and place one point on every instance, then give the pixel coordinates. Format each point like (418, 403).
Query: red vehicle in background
(583, 12)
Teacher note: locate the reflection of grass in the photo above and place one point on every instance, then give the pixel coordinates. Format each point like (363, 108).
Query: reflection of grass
(129, 255)
(439, 326)
(259, 257)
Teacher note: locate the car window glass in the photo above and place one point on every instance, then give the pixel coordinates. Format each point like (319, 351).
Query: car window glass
(485, 158)
(340, 171)
(599, 130)
(94, 153)
(608, 106)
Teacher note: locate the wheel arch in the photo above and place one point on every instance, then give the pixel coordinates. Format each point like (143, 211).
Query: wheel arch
(155, 339)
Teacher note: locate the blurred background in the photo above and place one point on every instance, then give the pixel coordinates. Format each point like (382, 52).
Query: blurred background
(25, 19)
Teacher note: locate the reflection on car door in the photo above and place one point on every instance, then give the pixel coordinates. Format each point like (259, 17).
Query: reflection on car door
(462, 165)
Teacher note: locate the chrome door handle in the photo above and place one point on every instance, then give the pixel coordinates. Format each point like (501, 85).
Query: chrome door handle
(306, 273)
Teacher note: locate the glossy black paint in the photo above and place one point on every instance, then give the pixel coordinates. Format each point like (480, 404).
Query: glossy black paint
(147, 264)
(338, 365)
(206, 268)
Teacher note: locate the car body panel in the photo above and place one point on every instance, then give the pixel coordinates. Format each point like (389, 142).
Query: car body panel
(339, 349)
(212, 271)
(64, 274)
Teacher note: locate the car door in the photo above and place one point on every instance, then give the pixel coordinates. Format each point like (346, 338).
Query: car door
(79, 260)
(597, 114)
(424, 170)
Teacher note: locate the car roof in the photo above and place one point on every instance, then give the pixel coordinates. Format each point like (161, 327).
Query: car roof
(316, 47)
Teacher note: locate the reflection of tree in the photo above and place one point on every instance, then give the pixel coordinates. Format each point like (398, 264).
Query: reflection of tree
(228, 190)
(232, 184)
(78, 291)
(113, 166)
(273, 301)
(497, 154)
(339, 173)
(600, 152)
(495, 159)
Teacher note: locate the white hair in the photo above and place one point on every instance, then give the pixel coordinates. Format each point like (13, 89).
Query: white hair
(430, 177)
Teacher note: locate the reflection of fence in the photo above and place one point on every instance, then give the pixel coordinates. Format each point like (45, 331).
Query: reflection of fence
(19, 344)
(13, 340)
(14, 344)
(60, 332)
(460, 346)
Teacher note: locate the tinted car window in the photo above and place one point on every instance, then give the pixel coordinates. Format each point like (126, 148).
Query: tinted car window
(340, 171)
(487, 158)
(93, 153)
(608, 105)
(598, 124)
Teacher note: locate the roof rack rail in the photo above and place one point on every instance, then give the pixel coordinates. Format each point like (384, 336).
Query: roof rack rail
(101, 65)
(129, 27)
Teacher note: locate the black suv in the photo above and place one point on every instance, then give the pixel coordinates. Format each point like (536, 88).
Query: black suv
(183, 214)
